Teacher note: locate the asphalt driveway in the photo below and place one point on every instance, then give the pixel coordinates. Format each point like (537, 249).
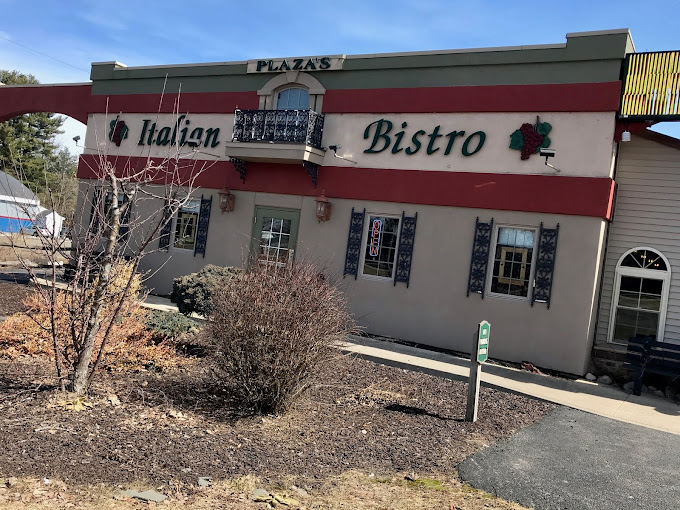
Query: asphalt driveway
(573, 460)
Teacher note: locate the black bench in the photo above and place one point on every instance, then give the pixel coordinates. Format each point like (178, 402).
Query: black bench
(645, 354)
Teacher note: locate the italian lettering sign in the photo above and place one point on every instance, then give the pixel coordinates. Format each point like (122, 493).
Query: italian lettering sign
(484, 332)
(278, 65)
(376, 232)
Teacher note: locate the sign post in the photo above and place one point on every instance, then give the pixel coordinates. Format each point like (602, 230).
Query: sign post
(480, 353)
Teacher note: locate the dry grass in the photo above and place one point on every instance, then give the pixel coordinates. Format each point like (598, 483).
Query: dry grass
(352, 490)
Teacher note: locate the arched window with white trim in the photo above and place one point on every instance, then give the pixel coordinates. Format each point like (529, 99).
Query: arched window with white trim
(293, 98)
(640, 295)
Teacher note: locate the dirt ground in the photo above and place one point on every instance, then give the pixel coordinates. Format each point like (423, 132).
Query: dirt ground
(11, 297)
(348, 443)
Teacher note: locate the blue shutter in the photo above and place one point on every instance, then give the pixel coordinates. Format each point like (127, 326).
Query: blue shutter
(356, 232)
(480, 257)
(203, 221)
(124, 229)
(95, 210)
(545, 265)
(166, 226)
(407, 236)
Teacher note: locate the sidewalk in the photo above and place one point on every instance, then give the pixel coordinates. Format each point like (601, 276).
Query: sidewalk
(608, 401)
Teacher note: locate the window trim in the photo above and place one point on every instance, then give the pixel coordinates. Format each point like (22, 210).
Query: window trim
(173, 230)
(364, 239)
(492, 256)
(639, 272)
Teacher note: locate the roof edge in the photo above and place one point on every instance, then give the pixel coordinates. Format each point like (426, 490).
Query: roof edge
(655, 136)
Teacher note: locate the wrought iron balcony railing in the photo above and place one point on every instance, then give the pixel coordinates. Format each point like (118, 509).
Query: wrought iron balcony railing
(284, 126)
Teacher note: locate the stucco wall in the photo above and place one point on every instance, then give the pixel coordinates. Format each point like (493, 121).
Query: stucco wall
(434, 310)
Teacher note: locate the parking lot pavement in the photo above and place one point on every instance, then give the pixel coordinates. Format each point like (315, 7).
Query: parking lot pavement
(573, 460)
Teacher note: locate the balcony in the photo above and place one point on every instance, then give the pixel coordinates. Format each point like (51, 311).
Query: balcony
(277, 136)
(278, 126)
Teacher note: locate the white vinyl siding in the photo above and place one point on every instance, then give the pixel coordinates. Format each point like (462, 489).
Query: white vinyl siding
(647, 214)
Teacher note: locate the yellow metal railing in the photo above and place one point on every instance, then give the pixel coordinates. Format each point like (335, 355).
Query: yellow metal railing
(651, 86)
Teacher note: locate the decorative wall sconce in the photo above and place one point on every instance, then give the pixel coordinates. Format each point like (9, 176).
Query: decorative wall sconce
(227, 200)
(323, 208)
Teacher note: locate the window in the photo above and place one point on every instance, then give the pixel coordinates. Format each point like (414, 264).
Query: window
(380, 246)
(293, 99)
(512, 261)
(640, 296)
(186, 225)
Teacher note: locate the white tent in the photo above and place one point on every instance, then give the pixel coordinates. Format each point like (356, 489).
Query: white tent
(50, 221)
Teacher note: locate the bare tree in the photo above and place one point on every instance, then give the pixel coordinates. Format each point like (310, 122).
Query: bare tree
(115, 238)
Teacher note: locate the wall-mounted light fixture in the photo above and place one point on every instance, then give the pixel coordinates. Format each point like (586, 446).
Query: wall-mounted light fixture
(323, 208)
(625, 136)
(227, 200)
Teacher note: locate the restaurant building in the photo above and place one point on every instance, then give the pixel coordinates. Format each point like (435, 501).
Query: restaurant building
(416, 179)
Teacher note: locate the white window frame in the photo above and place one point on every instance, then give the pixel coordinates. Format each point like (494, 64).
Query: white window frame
(492, 260)
(620, 271)
(175, 218)
(364, 240)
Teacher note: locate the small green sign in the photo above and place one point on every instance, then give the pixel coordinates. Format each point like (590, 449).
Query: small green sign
(484, 331)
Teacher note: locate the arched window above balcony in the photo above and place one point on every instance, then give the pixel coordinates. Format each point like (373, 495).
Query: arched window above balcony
(293, 98)
(274, 95)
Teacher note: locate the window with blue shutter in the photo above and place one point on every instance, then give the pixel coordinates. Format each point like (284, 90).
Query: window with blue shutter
(545, 265)
(353, 254)
(481, 245)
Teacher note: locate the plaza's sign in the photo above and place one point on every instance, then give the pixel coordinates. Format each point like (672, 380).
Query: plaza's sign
(180, 133)
(277, 65)
(382, 138)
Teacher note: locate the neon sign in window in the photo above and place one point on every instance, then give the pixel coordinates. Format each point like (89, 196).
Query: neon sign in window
(376, 233)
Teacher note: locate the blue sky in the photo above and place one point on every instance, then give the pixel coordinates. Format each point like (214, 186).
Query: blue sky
(148, 32)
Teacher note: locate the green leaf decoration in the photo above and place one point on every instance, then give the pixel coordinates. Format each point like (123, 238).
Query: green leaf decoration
(543, 128)
(546, 142)
(517, 140)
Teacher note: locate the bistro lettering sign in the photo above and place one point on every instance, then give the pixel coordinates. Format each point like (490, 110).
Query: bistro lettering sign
(382, 138)
(277, 65)
(182, 132)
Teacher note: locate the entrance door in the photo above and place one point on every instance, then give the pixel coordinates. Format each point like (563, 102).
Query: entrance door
(640, 296)
(275, 236)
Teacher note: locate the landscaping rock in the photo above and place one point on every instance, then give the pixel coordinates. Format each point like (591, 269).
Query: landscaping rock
(590, 377)
(651, 389)
(261, 495)
(604, 379)
(114, 400)
(659, 393)
(286, 501)
(150, 495)
(628, 387)
(204, 481)
(669, 393)
(299, 491)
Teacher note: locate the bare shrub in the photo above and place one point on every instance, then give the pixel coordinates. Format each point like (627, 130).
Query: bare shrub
(273, 329)
(130, 344)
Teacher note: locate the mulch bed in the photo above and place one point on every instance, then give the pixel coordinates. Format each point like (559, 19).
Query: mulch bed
(11, 298)
(173, 427)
